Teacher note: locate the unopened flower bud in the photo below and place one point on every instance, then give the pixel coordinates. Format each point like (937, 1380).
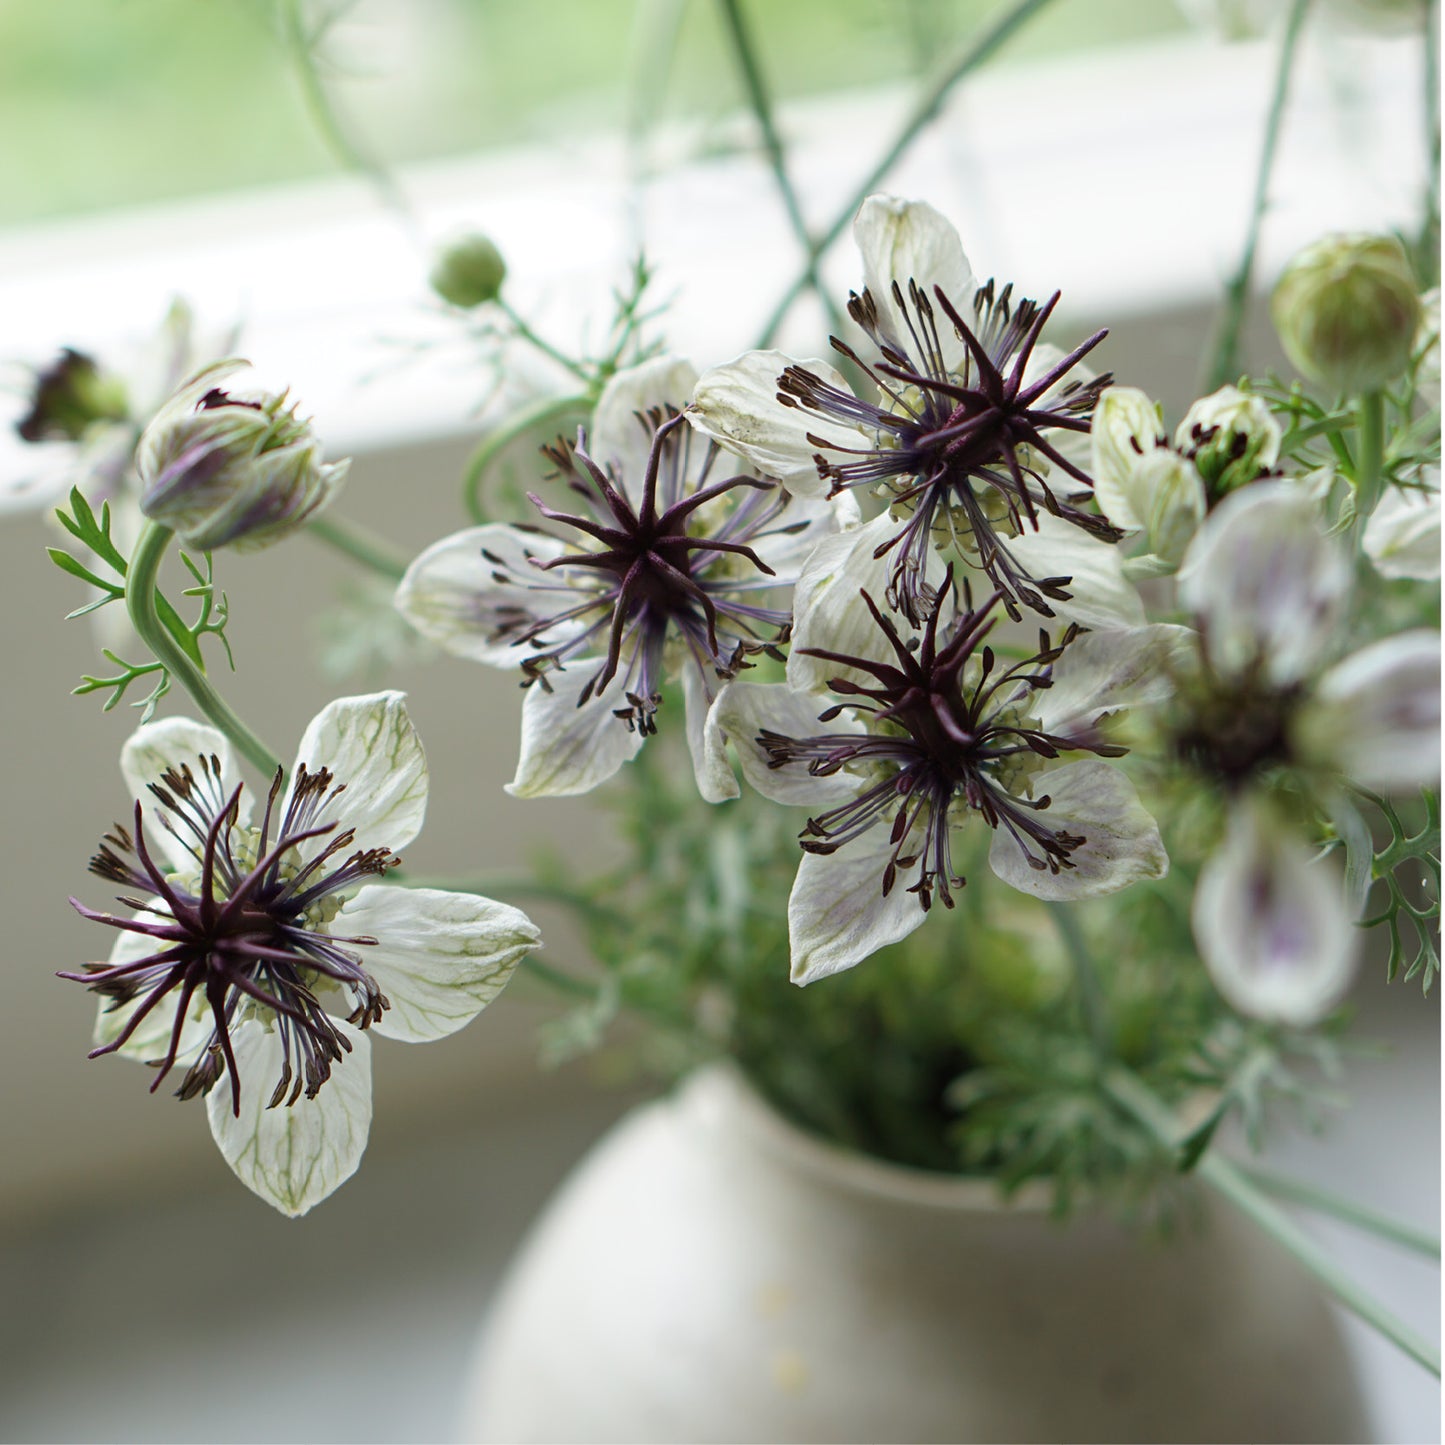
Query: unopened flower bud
(1347, 312)
(469, 272)
(71, 395)
(227, 464)
(1232, 438)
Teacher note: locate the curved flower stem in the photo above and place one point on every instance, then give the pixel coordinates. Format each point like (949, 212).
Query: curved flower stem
(140, 603)
(301, 46)
(578, 369)
(752, 77)
(360, 545)
(1224, 364)
(1091, 998)
(1369, 462)
(929, 104)
(1321, 1201)
(549, 408)
(1132, 1095)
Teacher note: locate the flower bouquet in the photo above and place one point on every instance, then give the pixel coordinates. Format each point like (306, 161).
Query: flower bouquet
(892, 660)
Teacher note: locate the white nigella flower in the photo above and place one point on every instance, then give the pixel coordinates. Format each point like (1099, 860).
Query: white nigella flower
(667, 567)
(261, 956)
(1270, 591)
(968, 436)
(75, 422)
(896, 738)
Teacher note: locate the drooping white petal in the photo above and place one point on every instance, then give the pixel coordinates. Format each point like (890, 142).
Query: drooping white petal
(370, 745)
(745, 709)
(737, 405)
(439, 957)
(1126, 428)
(1402, 537)
(705, 742)
(1102, 672)
(1121, 841)
(902, 241)
(1271, 922)
(1267, 585)
(828, 607)
(292, 1157)
(467, 592)
(568, 749)
(837, 911)
(176, 742)
(1100, 595)
(1376, 715)
(618, 439)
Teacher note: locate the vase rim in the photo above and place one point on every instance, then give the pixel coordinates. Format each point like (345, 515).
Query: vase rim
(722, 1089)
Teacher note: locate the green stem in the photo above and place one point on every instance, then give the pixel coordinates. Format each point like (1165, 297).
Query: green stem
(1369, 462)
(1227, 1179)
(360, 545)
(540, 413)
(1091, 998)
(1321, 1201)
(1428, 251)
(746, 56)
(140, 603)
(973, 55)
(1225, 362)
(300, 45)
(540, 343)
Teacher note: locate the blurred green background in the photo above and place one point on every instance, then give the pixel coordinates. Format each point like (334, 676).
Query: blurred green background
(116, 102)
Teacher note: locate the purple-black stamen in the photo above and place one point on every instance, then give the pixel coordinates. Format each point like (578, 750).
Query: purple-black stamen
(939, 741)
(240, 934)
(948, 440)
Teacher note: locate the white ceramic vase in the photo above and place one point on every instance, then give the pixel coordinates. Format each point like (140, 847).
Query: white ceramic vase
(711, 1273)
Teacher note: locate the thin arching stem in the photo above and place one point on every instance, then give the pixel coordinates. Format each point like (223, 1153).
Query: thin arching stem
(1224, 362)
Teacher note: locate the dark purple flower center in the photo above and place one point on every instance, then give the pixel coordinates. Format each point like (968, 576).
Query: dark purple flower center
(948, 727)
(248, 927)
(959, 451)
(643, 576)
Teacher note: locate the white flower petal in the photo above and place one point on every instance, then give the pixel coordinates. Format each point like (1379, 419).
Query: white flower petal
(1121, 841)
(1126, 428)
(1100, 595)
(1101, 672)
(907, 241)
(370, 745)
(1271, 922)
(568, 749)
(440, 958)
(176, 742)
(460, 593)
(1402, 537)
(1376, 715)
(837, 912)
(744, 709)
(618, 439)
(292, 1157)
(705, 741)
(829, 611)
(737, 405)
(1231, 410)
(1266, 583)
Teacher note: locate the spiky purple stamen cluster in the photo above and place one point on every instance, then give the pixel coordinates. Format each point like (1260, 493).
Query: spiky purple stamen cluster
(240, 930)
(942, 741)
(945, 439)
(650, 578)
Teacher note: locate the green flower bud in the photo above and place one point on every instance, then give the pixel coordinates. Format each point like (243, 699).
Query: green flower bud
(469, 272)
(232, 467)
(70, 396)
(1232, 438)
(1347, 311)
